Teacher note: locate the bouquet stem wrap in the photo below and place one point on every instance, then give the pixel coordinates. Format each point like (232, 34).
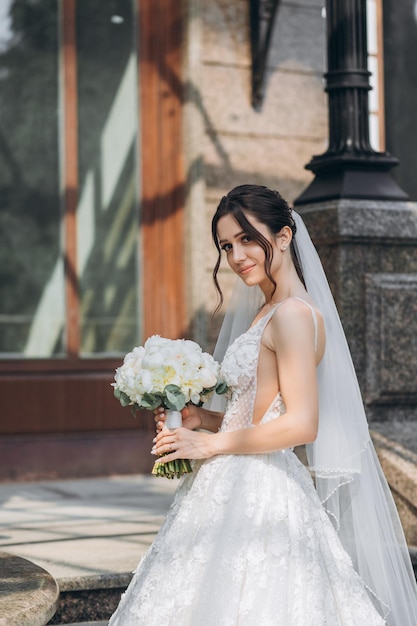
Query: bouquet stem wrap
(178, 467)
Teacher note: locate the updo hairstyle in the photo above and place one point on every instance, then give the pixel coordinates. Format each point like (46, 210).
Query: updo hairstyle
(269, 208)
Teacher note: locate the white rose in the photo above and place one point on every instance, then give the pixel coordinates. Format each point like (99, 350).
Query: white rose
(210, 362)
(165, 376)
(146, 380)
(136, 397)
(191, 346)
(208, 378)
(195, 398)
(128, 360)
(138, 353)
(155, 343)
(176, 362)
(153, 360)
(195, 359)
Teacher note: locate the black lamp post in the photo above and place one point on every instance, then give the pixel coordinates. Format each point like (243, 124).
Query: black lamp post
(349, 168)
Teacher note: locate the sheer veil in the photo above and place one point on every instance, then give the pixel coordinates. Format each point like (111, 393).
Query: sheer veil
(347, 473)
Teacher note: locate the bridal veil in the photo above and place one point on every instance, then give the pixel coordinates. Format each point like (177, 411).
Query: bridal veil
(348, 477)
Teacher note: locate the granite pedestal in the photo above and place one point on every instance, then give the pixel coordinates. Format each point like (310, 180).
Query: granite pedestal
(369, 253)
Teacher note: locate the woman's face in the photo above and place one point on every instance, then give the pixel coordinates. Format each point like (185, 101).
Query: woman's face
(244, 255)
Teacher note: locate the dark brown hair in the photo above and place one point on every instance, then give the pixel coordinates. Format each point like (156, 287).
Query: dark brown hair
(269, 208)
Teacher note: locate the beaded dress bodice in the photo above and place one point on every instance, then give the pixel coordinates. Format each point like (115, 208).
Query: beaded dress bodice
(239, 371)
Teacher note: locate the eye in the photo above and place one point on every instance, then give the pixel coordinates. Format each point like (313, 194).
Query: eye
(227, 247)
(246, 239)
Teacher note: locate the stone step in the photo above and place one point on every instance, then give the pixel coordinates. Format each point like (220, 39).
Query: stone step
(87, 624)
(89, 599)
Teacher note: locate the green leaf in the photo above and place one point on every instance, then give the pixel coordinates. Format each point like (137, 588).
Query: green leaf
(122, 397)
(172, 389)
(149, 401)
(174, 398)
(221, 388)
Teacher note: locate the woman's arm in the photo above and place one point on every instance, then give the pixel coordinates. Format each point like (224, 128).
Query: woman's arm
(290, 334)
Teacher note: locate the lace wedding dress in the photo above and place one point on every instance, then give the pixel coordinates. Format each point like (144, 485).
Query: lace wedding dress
(247, 541)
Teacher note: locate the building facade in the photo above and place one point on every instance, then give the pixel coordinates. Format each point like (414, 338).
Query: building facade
(122, 123)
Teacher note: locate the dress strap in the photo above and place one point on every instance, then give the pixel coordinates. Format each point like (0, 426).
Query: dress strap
(314, 315)
(265, 318)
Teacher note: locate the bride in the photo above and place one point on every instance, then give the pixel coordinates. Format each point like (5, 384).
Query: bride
(250, 538)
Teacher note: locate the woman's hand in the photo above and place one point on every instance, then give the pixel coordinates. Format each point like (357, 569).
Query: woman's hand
(182, 443)
(191, 417)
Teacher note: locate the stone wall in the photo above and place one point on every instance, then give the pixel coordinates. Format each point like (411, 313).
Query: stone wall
(227, 142)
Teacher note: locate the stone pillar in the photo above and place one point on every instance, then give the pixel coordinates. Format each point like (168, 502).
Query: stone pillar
(369, 252)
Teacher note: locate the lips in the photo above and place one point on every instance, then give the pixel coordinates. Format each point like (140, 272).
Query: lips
(245, 270)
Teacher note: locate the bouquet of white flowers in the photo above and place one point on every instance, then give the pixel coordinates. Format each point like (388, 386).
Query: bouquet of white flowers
(169, 373)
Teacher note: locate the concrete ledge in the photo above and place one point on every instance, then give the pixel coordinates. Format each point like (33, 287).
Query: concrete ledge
(87, 598)
(28, 593)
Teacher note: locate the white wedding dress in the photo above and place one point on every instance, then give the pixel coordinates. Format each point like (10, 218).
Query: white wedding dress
(247, 541)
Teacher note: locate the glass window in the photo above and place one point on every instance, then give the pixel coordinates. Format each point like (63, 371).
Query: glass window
(107, 216)
(31, 268)
(35, 145)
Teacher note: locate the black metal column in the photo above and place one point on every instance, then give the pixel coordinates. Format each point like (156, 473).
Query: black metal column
(349, 168)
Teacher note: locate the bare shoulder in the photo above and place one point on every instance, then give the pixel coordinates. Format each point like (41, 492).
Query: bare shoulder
(293, 322)
(294, 309)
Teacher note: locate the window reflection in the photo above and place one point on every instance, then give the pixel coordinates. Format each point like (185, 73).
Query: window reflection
(30, 217)
(33, 308)
(107, 239)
